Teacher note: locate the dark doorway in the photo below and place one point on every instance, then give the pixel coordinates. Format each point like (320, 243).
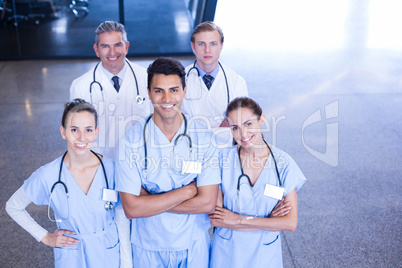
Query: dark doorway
(48, 29)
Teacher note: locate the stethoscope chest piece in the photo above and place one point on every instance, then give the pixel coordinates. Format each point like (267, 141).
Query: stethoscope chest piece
(139, 99)
(109, 195)
(109, 205)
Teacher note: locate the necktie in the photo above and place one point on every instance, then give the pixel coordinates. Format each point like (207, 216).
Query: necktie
(208, 80)
(116, 83)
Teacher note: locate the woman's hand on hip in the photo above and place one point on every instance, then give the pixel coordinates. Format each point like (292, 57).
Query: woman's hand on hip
(59, 239)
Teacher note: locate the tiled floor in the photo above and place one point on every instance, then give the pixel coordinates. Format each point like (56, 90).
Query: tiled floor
(153, 28)
(328, 77)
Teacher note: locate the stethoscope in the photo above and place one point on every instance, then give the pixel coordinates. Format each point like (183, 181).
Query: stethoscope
(251, 186)
(108, 204)
(224, 74)
(138, 99)
(184, 134)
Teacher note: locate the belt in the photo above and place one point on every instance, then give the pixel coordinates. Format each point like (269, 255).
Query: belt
(83, 237)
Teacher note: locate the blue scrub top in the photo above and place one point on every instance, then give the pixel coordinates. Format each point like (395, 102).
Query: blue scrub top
(92, 224)
(231, 248)
(166, 231)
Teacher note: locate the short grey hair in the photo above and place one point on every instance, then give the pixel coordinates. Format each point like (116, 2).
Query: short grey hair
(108, 27)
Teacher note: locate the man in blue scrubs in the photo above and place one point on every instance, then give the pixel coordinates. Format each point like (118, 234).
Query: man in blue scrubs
(168, 176)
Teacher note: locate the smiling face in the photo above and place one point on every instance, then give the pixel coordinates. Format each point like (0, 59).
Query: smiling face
(112, 50)
(246, 127)
(79, 132)
(166, 94)
(207, 47)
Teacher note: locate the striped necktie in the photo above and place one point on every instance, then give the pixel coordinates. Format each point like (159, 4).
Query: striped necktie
(116, 83)
(208, 80)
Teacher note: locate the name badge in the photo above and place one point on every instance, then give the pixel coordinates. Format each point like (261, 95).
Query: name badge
(110, 195)
(274, 191)
(191, 167)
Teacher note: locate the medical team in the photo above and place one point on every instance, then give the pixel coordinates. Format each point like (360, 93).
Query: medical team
(141, 182)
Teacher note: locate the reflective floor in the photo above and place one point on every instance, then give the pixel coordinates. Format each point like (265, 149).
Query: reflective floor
(328, 77)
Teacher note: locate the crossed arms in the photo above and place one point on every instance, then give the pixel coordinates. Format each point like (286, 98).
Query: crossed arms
(185, 200)
(282, 218)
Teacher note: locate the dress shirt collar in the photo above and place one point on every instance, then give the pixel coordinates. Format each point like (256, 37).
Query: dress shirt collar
(121, 74)
(202, 73)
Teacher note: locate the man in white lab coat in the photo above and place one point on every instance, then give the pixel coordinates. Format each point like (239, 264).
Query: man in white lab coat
(210, 84)
(116, 87)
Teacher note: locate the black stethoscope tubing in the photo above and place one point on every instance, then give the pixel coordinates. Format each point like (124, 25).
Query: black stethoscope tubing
(248, 178)
(138, 99)
(184, 134)
(107, 205)
(224, 74)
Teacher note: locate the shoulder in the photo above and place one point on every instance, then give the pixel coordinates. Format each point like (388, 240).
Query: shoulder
(107, 162)
(228, 159)
(134, 134)
(290, 174)
(230, 73)
(189, 67)
(229, 151)
(85, 76)
(196, 125)
(47, 171)
(52, 165)
(201, 135)
(137, 68)
(81, 84)
(194, 122)
(283, 159)
(278, 152)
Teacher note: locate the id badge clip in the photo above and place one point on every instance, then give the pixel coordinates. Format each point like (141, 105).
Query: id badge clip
(193, 167)
(274, 191)
(109, 195)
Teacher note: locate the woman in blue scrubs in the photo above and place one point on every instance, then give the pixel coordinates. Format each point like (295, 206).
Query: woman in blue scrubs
(86, 234)
(253, 184)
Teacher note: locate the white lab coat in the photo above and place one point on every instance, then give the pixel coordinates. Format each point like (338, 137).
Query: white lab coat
(117, 111)
(210, 105)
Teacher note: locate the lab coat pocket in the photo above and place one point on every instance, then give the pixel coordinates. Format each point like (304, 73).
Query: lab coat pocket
(67, 256)
(73, 247)
(271, 249)
(111, 242)
(112, 256)
(225, 234)
(111, 238)
(270, 238)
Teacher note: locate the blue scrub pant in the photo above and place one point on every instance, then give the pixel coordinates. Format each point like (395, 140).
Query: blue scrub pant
(196, 256)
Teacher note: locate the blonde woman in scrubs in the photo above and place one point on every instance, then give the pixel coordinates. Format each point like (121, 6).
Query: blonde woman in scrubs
(86, 234)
